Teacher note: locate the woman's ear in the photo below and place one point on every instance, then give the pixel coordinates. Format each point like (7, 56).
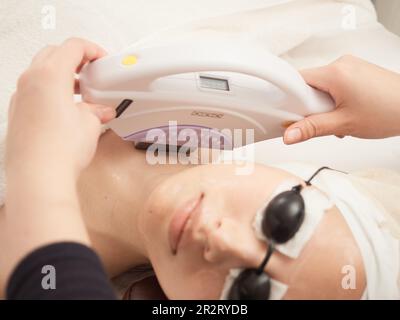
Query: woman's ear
(145, 289)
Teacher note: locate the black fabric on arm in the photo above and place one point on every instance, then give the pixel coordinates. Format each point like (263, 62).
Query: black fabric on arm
(79, 274)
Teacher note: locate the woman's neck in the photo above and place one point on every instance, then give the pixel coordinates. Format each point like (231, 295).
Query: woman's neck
(112, 191)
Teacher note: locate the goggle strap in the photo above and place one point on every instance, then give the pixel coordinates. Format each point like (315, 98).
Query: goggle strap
(308, 182)
(271, 248)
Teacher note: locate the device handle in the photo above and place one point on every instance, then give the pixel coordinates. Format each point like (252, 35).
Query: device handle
(248, 58)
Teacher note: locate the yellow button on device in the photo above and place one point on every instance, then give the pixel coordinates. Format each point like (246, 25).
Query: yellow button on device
(129, 60)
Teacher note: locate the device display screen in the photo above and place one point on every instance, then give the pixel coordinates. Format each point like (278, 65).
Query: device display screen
(214, 83)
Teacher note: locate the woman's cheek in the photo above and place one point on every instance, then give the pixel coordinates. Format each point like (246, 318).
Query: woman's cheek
(207, 283)
(187, 277)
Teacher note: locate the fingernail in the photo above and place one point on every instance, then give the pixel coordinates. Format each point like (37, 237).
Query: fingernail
(293, 135)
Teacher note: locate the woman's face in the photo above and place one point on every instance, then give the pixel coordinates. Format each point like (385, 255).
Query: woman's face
(198, 225)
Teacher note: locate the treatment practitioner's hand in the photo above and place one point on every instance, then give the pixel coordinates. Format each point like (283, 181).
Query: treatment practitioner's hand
(50, 139)
(367, 99)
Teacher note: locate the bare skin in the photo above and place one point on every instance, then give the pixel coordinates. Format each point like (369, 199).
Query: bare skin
(127, 209)
(367, 100)
(122, 207)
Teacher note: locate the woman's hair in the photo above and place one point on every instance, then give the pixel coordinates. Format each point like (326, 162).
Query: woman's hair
(138, 283)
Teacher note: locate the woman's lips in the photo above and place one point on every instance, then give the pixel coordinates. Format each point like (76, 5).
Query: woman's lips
(179, 220)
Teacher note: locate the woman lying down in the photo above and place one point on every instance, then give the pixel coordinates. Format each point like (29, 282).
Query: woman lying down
(208, 233)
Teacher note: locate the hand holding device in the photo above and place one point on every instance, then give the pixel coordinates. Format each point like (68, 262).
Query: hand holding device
(50, 139)
(367, 99)
(46, 127)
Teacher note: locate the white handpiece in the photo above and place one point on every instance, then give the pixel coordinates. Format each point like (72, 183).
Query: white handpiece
(201, 84)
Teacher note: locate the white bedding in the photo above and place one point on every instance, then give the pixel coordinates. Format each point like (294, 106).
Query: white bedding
(304, 32)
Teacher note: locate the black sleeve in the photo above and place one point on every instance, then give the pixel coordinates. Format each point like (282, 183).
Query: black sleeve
(60, 271)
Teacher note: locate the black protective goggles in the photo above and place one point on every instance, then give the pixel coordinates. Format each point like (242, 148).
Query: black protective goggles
(282, 218)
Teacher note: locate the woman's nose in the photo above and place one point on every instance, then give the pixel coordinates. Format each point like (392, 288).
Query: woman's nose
(231, 242)
(206, 224)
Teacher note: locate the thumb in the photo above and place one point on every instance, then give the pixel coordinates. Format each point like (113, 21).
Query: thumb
(320, 78)
(316, 125)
